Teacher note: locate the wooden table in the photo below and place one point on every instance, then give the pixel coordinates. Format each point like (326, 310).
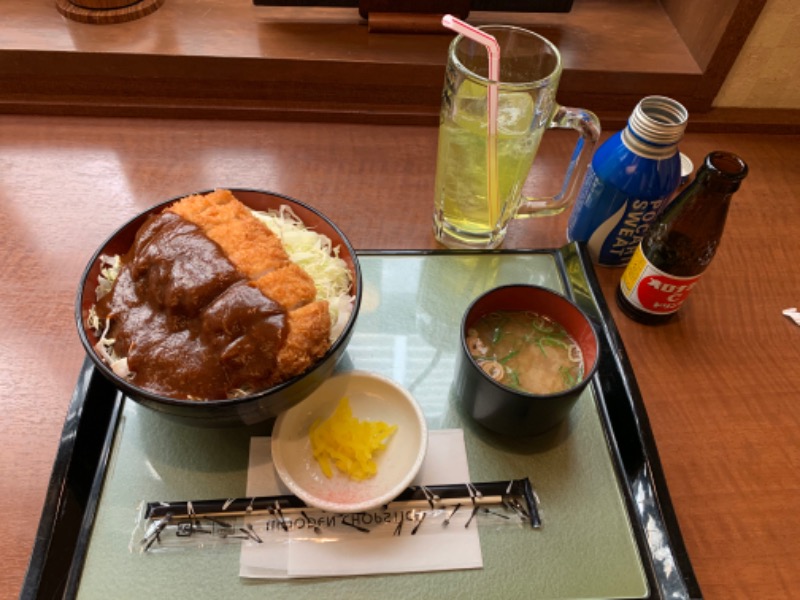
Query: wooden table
(721, 383)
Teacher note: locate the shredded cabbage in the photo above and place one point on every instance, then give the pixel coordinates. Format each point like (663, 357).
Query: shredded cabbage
(319, 258)
(109, 270)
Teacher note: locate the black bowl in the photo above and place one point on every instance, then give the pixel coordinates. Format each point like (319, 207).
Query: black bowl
(245, 410)
(511, 411)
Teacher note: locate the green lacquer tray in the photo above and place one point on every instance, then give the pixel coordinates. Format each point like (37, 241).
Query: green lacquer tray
(609, 530)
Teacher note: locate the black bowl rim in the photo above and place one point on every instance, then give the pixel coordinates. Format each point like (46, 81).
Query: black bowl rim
(588, 375)
(133, 391)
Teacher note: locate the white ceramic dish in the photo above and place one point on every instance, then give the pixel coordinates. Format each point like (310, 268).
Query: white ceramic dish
(372, 398)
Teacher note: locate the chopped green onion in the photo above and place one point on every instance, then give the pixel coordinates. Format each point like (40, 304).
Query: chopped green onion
(568, 377)
(497, 334)
(541, 342)
(541, 325)
(511, 374)
(509, 356)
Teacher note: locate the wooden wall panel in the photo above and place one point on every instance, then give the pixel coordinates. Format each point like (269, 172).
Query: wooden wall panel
(217, 59)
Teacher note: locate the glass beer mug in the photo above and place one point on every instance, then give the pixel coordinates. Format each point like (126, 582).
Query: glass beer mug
(467, 212)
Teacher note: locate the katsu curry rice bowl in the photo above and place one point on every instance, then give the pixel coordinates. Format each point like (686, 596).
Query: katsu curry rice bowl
(222, 308)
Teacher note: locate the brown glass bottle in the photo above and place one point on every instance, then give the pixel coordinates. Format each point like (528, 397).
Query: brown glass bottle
(681, 243)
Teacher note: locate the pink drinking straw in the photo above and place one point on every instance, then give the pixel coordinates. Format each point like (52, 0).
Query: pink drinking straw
(493, 49)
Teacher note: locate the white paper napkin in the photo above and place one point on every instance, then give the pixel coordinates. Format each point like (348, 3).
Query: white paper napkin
(353, 552)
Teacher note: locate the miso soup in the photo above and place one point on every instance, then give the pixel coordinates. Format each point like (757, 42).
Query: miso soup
(526, 351)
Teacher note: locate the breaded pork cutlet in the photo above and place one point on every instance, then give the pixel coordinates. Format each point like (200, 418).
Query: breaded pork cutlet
(307, 339)
(258, 253)
(252, 248)
(289, 285)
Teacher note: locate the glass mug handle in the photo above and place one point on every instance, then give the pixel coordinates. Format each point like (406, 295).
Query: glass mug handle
(588, 127)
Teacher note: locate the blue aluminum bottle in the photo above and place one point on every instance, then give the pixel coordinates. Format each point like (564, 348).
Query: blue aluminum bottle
(632, 176)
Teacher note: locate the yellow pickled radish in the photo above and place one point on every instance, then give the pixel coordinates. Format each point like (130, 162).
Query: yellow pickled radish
(349, 443)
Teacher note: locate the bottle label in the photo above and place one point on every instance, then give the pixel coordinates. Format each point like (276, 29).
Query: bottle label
(611, 222)
(652, 290)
